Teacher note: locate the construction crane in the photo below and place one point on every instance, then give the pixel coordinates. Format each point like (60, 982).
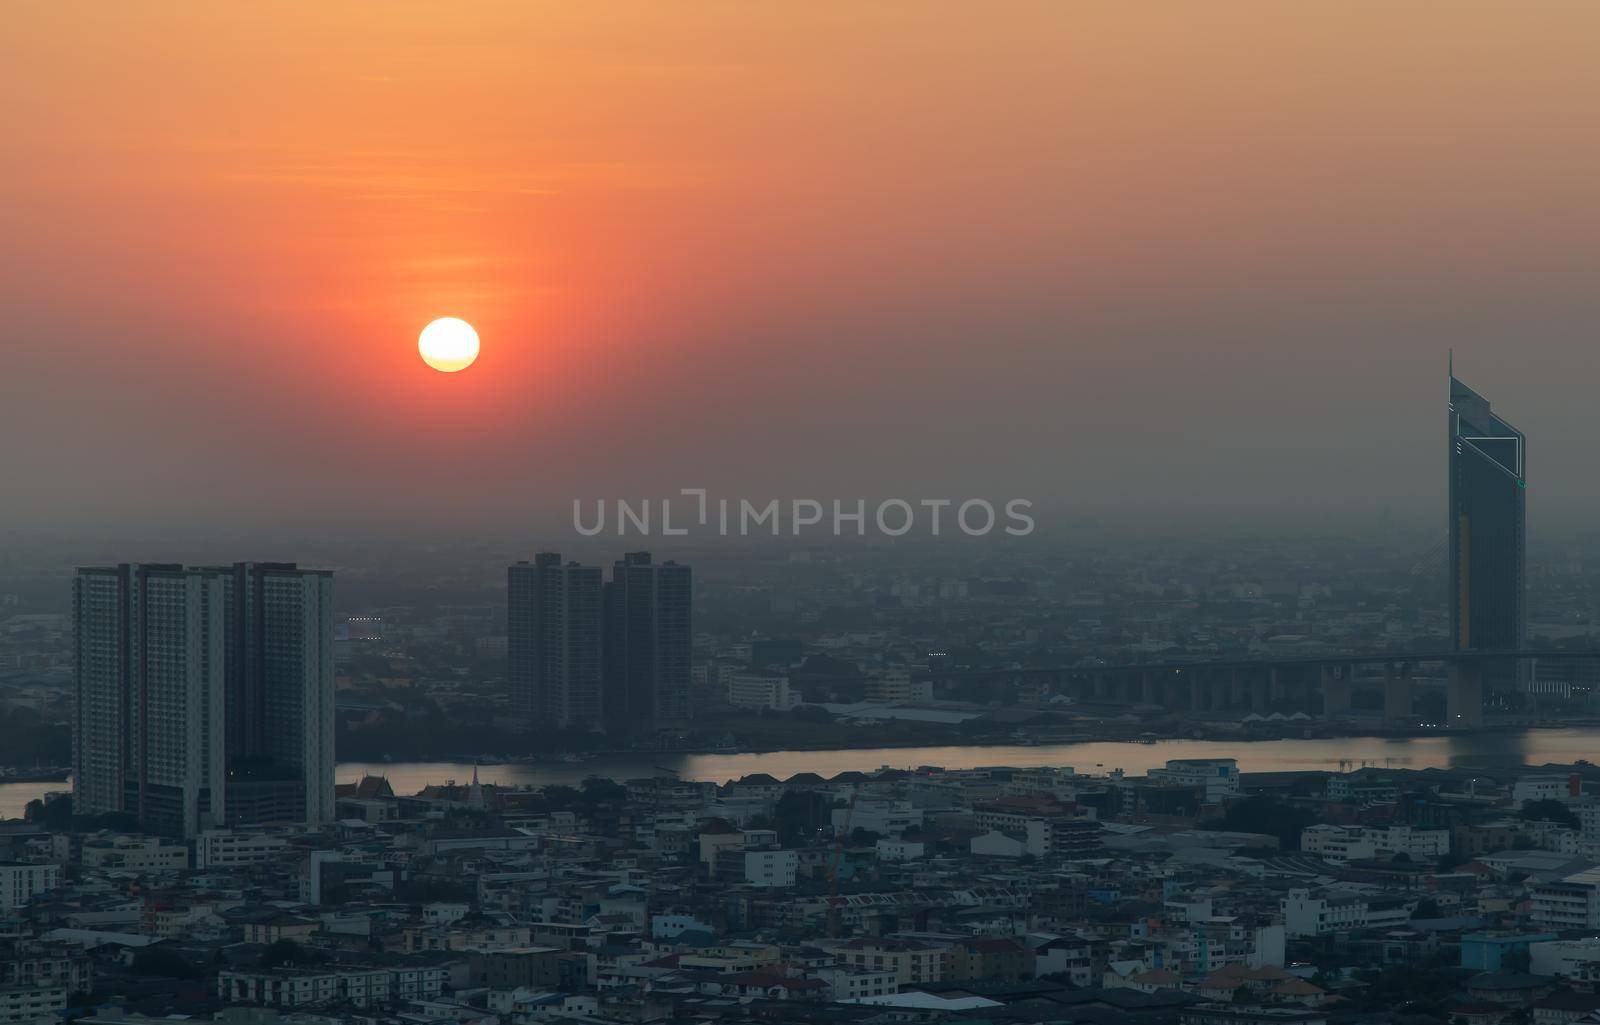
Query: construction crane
(834, 860)
(662, 772)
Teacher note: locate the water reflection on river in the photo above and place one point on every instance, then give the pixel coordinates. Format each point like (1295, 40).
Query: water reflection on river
(1488, 749)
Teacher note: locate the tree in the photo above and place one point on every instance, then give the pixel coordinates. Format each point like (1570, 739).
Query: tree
(1265, 815)
(162, 960)
(561, 797)
(599, 790)
(1549, 810)
(287, 952)
(798, 815)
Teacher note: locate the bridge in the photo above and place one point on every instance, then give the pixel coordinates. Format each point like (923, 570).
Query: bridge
(1220, 685)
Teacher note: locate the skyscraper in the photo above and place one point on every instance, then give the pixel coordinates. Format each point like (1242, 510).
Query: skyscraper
(204, 695)
(1487, 525)
(279, 715)
(553, 645)
(147, 740)
(647, 649)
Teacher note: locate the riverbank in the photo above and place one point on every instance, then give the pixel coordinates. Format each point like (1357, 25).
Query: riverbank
(1494, 752)
(874, 737)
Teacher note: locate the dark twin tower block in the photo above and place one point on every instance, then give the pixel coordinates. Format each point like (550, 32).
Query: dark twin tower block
(594, 654)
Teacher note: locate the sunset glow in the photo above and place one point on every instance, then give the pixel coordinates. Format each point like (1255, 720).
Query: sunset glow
(448, 344)
(860, 213)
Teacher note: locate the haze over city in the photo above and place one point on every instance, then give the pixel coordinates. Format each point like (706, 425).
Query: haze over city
(1149, 264)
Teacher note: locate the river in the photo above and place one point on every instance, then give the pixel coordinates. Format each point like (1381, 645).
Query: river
(1534, 747)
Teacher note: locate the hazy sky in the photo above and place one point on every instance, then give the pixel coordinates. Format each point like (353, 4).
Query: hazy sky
(1128, 258)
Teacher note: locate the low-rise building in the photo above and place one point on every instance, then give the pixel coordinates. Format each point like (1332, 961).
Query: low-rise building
(1306, 913)
(761, 689)
(21, 883)
(765, 867)
(911, 961)
(1572, 902)
(359, 985)
(851, 983)
(1362, 843)
(1218, 776)
(228, 848)
(135, 854)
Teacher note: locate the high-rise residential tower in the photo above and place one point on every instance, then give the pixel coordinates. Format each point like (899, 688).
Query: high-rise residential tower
(1488, 459)
(147, 740)
(204, 695)
(279, 715)
(553, 645)
(647, 644)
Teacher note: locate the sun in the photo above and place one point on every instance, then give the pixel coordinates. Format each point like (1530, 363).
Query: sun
(448, 344)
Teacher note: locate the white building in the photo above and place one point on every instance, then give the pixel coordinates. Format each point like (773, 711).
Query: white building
(894, 686)
(899, 850)
(1542, 788)
(31, 1004)
(753, 688)
(1569, 903)
(1059, 782)
(1309, 914)
(886, 818)
(769, 867)
(1360, 843)
(20, 883)
(359, 985)
(135, 854)
(224, 848)
(1219, 777)
(1578, 960)
(1589, 821)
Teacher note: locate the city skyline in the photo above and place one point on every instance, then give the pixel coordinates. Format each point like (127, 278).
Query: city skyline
(843, 513)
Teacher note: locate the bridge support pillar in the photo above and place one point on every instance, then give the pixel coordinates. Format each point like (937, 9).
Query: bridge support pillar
(1396, 694)
(1275, 684)
(1258, 693)
(1147, 689)
(1335, 691)
(1464, 698)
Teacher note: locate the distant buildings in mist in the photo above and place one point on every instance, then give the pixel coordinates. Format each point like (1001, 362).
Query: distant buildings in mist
(589, 653)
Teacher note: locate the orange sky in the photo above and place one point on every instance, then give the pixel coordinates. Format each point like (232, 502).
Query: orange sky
(788, 249)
